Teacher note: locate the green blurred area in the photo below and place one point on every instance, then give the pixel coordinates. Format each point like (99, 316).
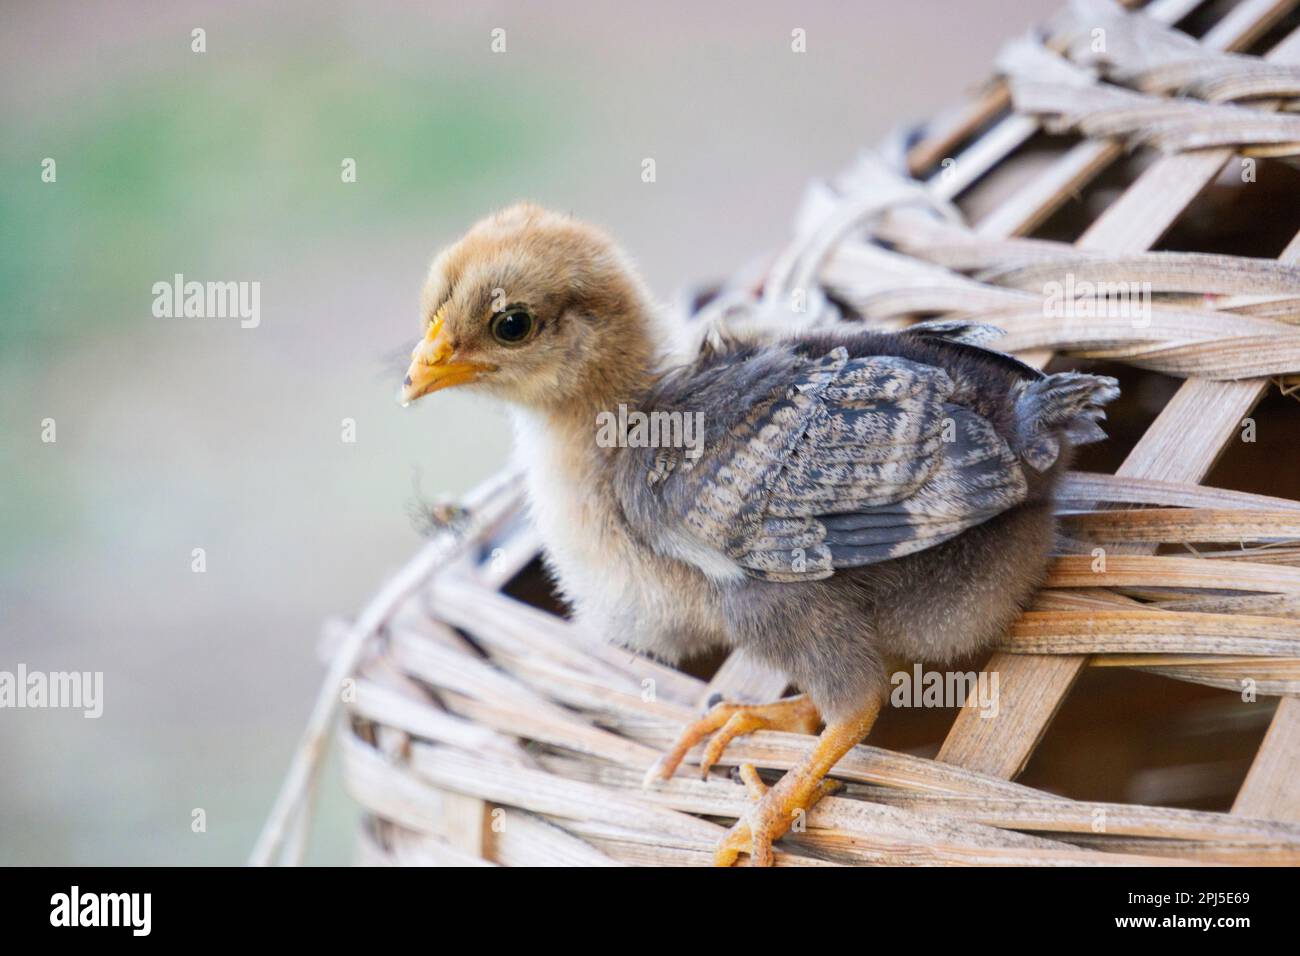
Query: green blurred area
(143, 163)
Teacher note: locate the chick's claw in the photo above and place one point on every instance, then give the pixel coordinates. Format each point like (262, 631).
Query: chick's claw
(753, 782)
(773, 814)
(726, 721)
(740, 839)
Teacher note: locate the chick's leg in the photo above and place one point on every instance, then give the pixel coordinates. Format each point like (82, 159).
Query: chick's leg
(726, 721)
(802, 786)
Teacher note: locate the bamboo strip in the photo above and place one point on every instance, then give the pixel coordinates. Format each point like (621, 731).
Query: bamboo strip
(1199, 524)
(1138, 632)
(386, 844)
(1228, 854)
(1118, 819)
(1123, 570)
(526, 839)
(1079, 486)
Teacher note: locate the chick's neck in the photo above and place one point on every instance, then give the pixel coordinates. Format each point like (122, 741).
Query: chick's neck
(615, 380)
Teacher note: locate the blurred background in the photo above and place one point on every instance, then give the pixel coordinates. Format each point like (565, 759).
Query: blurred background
(176, 434)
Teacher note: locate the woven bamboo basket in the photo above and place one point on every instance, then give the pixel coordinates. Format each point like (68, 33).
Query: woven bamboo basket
(1148, 705)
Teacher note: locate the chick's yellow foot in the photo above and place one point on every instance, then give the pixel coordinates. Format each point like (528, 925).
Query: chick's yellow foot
(726, 721)
(775, 811)
(778, 809)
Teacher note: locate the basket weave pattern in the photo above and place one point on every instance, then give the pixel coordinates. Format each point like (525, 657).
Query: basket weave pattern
(478, 729)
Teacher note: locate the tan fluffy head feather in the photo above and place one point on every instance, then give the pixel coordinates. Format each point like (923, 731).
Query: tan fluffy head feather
(592, 340)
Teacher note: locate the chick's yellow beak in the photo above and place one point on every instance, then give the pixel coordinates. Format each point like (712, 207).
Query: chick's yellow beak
(433, 366)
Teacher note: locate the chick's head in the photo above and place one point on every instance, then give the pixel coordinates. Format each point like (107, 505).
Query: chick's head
(533, 307)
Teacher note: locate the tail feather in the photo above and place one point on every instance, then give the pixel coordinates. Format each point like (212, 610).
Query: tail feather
(1068, 405)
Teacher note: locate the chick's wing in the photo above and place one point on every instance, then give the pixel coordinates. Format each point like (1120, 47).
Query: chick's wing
(810, 465)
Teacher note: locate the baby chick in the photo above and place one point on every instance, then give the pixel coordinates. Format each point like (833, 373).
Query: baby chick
(855, 496)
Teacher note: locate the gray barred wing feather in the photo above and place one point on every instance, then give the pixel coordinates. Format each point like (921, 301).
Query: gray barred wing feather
(820, 464)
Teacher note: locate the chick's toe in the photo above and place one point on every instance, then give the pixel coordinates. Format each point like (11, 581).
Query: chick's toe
(726, 721)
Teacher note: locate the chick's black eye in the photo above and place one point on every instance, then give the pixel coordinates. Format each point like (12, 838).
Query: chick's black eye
(512, 326)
